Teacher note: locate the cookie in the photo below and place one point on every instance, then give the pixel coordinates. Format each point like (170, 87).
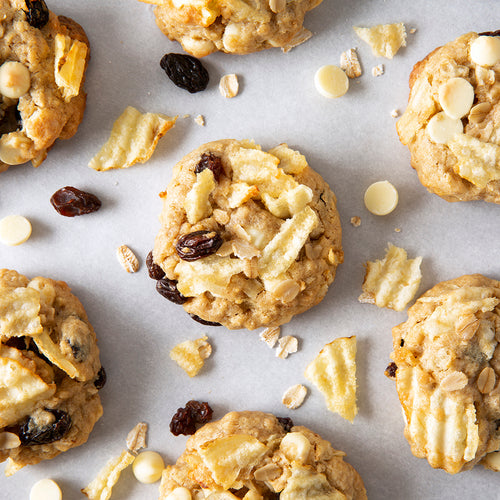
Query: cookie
(247, 238)
(41, 96)
(253, 455)
(447, 367)
(50, 371)
(451, 124)
(233, 26)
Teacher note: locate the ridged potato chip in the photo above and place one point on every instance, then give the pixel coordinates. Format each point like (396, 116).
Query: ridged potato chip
(384, 39)
(70, 60)
(197, 204)
(191, 354)
(19, 312)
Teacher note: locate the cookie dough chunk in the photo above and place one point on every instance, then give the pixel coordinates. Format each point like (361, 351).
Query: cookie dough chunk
(448, 369)
(252, 455)
(247, 238)
(233, 26)
(43, 59)
(50, 371)
(452, 122)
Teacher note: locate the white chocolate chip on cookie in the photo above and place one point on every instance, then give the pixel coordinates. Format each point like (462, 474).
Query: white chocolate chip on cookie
(485, 50)
(331, 81)
(180, 493)
(381, 198)
(441, 128)
(296, 447)
(15, 79)
(45, 489)
(14, 230)
(15, 148)
(456, 97)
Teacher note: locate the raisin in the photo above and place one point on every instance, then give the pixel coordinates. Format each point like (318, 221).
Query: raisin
(185, 71)
(37, 14)
(390, 371)
(212, 162)
(11, 120)
(204, 321)
(200, 411)
(101, 378)
(154, 270)
(185, 419)
(286, 423)
(402, 343)
(69, 201)
(30, 435)
(17, 343)
(490, 33)
(194, 246)
(168, 289)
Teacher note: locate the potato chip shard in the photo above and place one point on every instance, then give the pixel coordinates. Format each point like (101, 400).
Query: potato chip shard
(393, 281)
(477, 161)
(133, 139)
(101, 487)
(197, 204)
(191, 354)
(291, 161)
(333, 372)
(384, 39)
(20, 391)
(19, 312)
(69, 65)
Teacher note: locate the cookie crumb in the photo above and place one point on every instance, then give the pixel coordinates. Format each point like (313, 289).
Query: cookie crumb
(395, 113)
(200, 120)
(397, 229)
(356, 221)
(413, 30)
(287, 345)
(229, 86)
(349, 62)
(378, 70)
(294, 396)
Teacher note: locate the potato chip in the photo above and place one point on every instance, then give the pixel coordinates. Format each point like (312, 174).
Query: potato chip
(289, 202)
(19, 312)
(191, 354)
(333, 372)
(133, 139)
(393, 281)
(384, 39)
(305, 483)
(292, 162)
(241, 192)
(70, 60)
(197, 204)
(20, 391)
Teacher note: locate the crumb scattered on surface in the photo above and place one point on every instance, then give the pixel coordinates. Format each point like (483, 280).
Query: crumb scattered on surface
(395, 113)
(413, 30)
(356, 221)
(397, 229)
(378, 70)
(200, 120)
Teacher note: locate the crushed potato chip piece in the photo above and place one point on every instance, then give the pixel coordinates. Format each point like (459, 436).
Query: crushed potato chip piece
(133, 139)
(19, 312)
(101, 487)
(384, 39)
(292, 162)
(393, 281)
(289, 202)
(70, 59)
(333, 372)
(191, 354)
(197, 203)
(136, 438)
(294, 396)
(241, 192)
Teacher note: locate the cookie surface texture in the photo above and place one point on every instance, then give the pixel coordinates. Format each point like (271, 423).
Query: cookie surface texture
(250, 455)
(248, 238)
(43, 58)
(233, 26)
(448, 368)
(452, 122)
(50, 371)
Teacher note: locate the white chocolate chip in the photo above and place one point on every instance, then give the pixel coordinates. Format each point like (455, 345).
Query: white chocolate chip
(331, 81)
(229, 86)
(14, 230)
(296, 447)
(277, 5)
(15, 79)
(441, 128)
(45, 489)
(381, 198)
(485, 50)
(15, 148)
(180, 493)
(456, 97)
(148, 466)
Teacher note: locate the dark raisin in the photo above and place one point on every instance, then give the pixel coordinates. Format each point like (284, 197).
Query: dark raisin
(286, 423)
(101, 378)
(182, 423)
(390, 371)
(17, 343)
(212, 162)
(194, 246)
(11, 120)
(168, 289)
(402, 343)
(37, 14)
(204, 321)
(185, 71)
(490, 33)
(69, 201)
(200, 411)
(30, 435)
(154, 270)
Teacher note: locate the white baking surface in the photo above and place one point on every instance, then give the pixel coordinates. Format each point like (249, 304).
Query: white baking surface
(351, 141)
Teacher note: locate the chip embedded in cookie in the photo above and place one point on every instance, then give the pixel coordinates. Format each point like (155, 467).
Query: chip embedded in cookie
(233, 26)
(248, 238)
(451, 122)
(41, 80)
(49, 375)
(252, 455)
(447, 367)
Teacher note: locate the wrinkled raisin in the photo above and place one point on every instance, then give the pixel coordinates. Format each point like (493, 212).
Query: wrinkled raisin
(391, 369)
(168, 289)
(69, 201)
(490, 33)
(204, 321)
(185, 71)
(11, 120)
(200, 411)
(17, 343)
(402, 343)
(37, 14)
(194, 246)
(286, 423)
(185, 419)
(101, 378)
(154, 270)
(212, 162)
(30, 435)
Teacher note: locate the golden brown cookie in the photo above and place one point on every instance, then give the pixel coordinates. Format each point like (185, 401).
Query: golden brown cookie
(447, 367)
(50, 371)
(252, 455)
(234, 26)
(247, 238)
(44, 57)
(452, 122)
